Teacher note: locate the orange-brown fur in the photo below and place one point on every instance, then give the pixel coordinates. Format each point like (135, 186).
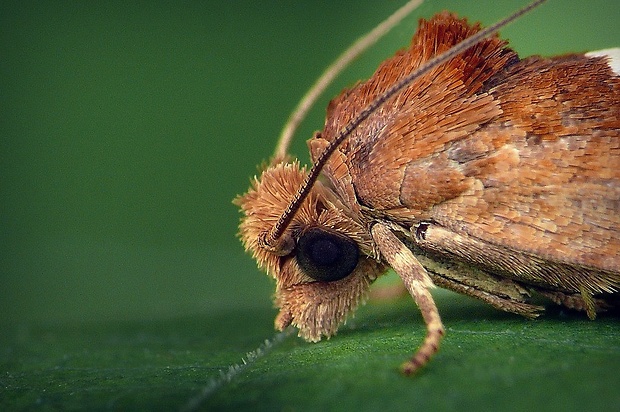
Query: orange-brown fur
(513, 165)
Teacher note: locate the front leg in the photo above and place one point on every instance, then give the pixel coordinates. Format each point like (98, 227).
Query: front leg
(418, 283)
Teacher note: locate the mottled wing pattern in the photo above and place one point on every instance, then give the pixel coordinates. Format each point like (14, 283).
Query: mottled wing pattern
(553, 188)
(519, 153)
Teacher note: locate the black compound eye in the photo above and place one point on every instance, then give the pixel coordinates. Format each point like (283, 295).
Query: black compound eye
(326, 256)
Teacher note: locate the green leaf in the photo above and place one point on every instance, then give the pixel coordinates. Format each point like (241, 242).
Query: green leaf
(489, 360)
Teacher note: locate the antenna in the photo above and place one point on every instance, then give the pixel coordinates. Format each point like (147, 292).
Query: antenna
(268, 239)
(353, 52)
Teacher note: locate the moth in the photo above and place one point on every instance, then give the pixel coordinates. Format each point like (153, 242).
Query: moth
(495, 176)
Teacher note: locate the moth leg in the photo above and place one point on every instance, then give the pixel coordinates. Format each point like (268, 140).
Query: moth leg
(418, 283)
(502, 294)
(576, 301)
(455, 262)
(590, 306)
(498, 302)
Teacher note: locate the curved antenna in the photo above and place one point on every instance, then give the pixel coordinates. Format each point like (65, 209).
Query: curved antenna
(328, 76)
(268, 239)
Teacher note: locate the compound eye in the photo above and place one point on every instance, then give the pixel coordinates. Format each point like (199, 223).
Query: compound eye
(326, 256)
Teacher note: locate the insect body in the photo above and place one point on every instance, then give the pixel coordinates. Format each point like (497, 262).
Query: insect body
(490, 175)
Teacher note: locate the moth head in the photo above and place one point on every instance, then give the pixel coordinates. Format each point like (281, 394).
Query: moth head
(321, 263)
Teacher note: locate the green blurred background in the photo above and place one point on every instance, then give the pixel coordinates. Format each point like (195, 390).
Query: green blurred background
(127, 128)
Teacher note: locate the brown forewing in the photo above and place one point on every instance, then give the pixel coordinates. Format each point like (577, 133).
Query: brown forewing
(519, 153)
